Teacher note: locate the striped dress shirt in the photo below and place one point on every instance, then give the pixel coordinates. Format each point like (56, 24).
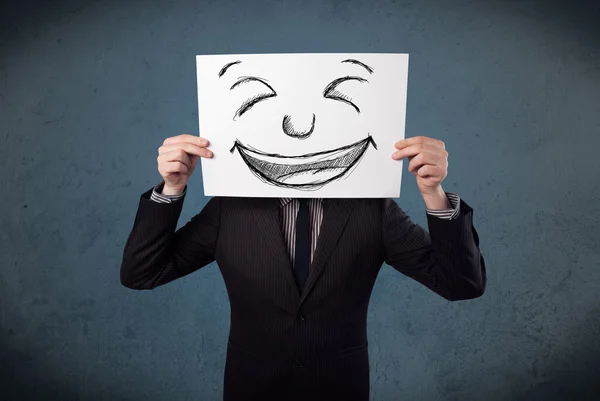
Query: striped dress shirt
(289, 210)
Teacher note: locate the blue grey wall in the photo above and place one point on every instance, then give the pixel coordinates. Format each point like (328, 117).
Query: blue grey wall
(89, 89)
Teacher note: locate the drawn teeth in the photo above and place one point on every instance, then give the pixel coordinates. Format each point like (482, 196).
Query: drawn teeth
(281, 172)
(309, 171)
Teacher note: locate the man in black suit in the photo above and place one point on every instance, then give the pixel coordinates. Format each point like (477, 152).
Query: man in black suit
(299, 274)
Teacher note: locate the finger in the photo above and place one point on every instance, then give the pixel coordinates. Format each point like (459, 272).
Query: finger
(432, 172)
(403, 143)
(414, 150)
(424, 170)
(193, 139)
(176, 156)
(174, 167)
(423, 159)
(187, 138)
(189, 148)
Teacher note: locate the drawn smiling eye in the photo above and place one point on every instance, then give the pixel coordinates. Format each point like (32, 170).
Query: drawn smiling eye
(252, 100)
(331, 91)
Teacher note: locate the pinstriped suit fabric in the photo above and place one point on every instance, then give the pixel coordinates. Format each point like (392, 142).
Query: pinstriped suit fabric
(289, 210)
(286, 345)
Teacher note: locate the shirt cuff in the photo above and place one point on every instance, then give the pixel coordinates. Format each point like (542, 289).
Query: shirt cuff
(447, 214)
(159, 197)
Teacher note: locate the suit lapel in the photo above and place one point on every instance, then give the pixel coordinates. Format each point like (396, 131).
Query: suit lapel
(267, 215)
(335, 216)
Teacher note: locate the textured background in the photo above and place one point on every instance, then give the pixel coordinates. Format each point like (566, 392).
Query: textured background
(89, 89)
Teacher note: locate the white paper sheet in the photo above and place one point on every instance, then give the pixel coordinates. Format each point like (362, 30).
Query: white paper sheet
(302, 125)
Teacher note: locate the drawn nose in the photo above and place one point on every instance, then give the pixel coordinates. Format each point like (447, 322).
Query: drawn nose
(290, 129)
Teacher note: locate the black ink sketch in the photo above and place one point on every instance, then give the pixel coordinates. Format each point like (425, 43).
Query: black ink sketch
(289, 129)
(337, 163)
(351, 60)
(226, 66)
(248, 103)
(310, 171)
(331, 91)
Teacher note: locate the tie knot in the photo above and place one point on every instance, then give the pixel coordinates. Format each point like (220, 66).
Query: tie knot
(303, 202)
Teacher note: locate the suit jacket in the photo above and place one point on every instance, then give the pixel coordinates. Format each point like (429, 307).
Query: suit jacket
(287, 345)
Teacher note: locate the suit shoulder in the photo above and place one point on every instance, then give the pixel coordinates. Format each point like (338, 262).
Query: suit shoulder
(373, 205)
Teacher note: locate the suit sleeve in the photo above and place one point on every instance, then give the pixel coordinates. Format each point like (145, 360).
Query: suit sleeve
(447, 260)
(156, 254)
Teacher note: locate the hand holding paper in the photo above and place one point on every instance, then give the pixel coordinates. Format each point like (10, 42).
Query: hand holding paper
(177, 158)
(429, 164)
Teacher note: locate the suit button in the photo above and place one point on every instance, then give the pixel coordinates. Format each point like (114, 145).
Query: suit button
(299, 363)
(301, 317)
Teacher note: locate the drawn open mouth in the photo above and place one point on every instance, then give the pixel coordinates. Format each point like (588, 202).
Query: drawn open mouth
(309, 171)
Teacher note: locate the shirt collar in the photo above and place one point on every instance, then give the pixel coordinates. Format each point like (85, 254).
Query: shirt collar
(284, 201)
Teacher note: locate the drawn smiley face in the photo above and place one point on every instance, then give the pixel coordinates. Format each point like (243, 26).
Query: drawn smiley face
(309, 171)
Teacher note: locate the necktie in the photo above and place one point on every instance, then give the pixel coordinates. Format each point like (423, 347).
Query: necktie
(302, 251)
